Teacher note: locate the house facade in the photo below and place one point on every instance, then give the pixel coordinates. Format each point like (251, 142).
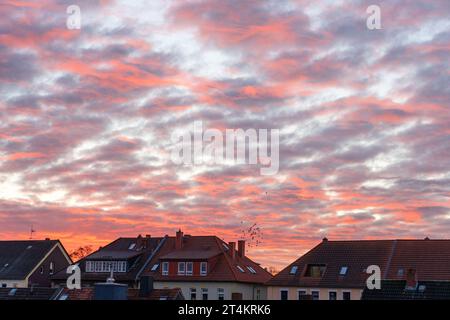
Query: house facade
(31, 263)
(207, 268)
(125, 259)
(337, 270)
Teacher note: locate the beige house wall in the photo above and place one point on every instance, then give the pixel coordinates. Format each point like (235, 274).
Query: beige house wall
(249, 291)
(14, 283)
(274, 293)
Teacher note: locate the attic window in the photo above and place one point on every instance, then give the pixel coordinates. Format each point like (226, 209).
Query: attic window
(401, 272)
(132, 246)
(343, 271)
(155, 267)
(240, 269)
(251, 270)
(315, 270)
(293, 270)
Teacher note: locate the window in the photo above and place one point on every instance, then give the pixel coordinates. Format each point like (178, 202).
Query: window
(251, 270)
(220, 294)
(189, 267)
(205, 293)
(52, 267)
(346, 295)
(343, 271)
(155, 267)
(132, 246)
(181, 268)
(258, 294)
(41, 270)
(3, 285)
(64, 296)
(332, 295)
(293, 270)
(106, 266)
(315, 270)
(301, 294)
(193, 294)
(240, 269)
(165, 268)
(284, 294)
(226, 247)
(401, 272)
(315, 295)
(203, 268)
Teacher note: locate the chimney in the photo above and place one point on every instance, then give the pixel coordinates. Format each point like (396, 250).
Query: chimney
(411, 279)
(232, 249)
(47, 239)
(241, 248)
(179, 240)
(146, 286)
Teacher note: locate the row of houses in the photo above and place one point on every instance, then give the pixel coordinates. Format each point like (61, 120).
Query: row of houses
(207, 268)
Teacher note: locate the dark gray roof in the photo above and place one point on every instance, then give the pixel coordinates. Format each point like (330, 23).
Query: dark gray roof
(18, 258)
(28, 293)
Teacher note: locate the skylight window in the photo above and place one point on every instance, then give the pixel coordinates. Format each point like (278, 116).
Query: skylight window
(401, 272)
(251, 270)
(240, 269)
(226, 247)
(132, 246)
(293, 270)
(343, 271)
(155, 267)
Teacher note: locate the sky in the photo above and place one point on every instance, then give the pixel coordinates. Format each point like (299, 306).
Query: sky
(86, 118)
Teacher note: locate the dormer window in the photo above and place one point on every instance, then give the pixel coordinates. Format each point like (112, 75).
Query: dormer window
(181, 268)
(165, 268)
(343, 271)
(293, 270)
(203, 268)
(155, 267)
(315, 270)
(240, 269)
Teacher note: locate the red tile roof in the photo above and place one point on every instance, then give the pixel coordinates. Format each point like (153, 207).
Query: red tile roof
(204, 247)
(430, 258)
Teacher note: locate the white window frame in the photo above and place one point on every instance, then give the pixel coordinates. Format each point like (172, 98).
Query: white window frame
(220, 293)
(240, 269)
(191, 291)
(203, 268)
(251, 270)
(205, 291)
(189, 272)
(305, 292)
(315, 290)
(165, 268)
(181, 272)
(346, 291)
(335, 291)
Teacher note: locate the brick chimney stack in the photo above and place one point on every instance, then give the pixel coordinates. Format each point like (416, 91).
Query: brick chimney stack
(179, 240)
(241, 248)
(232, 249)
